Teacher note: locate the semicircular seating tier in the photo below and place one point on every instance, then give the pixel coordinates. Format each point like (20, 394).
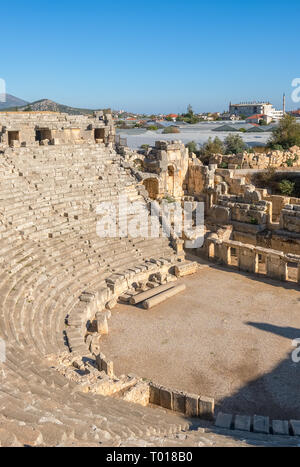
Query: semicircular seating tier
(50, 253)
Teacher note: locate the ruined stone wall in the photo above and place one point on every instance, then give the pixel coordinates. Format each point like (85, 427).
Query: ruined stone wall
(200, 178)
(248, 208)
(35, 128)
(257, 160)
(167, 162)
(290, 218)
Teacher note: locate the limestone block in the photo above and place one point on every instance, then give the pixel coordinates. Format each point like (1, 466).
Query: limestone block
(280, 427)
(186, 269)
(247, 259)
(242, 423)
(138, 394)
(166, 398)
(276, 267)
(220, 215)
(108, 367)
(178, 401)
(191, 405)
(295, 425)
(224, 420)
(206, 408)
(101, 324)
(154, 393)
(111, 304)
(261, 424)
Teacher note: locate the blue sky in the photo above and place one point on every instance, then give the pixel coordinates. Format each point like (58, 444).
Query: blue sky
(150, 56)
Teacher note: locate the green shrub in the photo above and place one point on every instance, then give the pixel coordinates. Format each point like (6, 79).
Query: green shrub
(286, 134)
(152, 128)
(170, 130)
(192, 147)
(286, 187)
(234, 144)
(210, 148)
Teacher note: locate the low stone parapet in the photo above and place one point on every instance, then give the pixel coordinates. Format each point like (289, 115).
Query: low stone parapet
(258, 424)
(248, 258)
(191, 405)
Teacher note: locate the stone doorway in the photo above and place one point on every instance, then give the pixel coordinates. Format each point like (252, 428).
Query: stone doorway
(100, 134)
(13, 136)
(151, 185)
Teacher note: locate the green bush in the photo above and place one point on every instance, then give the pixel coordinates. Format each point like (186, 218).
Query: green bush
(286, 134)
(192, 147)
(286, 187)
(171, 129)
(234, 144)
(210, 148)
(152, 128)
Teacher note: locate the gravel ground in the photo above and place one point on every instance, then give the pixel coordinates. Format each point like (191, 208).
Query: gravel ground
(228, 336)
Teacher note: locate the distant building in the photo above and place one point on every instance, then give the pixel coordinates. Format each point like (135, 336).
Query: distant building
(250, 109)
(172, 117)
(296, 113)
(275, 114)
(256, 119)
(227, 116)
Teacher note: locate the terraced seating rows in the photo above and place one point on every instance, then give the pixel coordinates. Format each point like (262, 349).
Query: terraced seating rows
(50, 253)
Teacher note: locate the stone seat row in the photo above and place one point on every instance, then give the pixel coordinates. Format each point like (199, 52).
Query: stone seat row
(49, 257)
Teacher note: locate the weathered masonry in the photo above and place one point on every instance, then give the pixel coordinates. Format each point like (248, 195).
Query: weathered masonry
(20, 129)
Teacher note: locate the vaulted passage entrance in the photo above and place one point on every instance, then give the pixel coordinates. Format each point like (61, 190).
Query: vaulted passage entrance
(151, 185)
(100, 133)
(13, 136)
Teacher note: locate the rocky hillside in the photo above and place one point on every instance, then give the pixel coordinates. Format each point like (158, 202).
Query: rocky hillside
(51, 106)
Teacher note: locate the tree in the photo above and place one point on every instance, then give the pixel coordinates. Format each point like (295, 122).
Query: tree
(234, 144)
(210, 148)
(286, 134)
(192, 147)
(286, 187)
(190, 110)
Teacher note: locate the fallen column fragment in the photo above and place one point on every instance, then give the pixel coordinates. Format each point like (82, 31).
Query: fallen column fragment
(157, 299)
(136, 299)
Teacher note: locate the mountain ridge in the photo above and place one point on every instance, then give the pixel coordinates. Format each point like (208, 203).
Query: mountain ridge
(45, 105)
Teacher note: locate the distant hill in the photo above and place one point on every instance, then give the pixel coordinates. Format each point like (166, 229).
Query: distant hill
(11, 101)
(46, 105)
(42, 105)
